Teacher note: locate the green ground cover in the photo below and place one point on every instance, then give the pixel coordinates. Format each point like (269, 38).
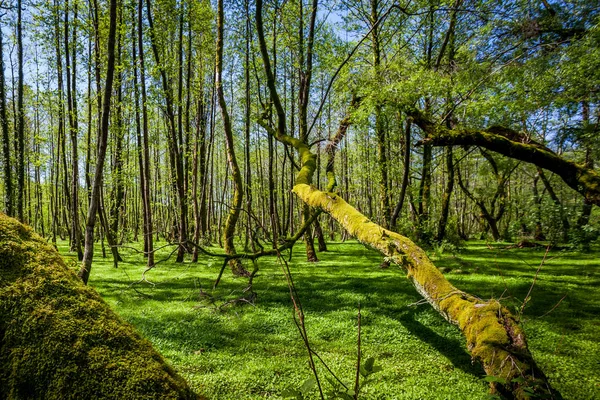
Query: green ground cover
(250, 352)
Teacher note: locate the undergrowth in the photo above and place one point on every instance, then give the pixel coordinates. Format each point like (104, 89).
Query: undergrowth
(231, 349)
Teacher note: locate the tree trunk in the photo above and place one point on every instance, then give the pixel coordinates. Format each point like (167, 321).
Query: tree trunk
(247, 122)
(175, 145)
(20, 128)
(557, 203)
(144, 142)
(405, 176)
(493, 334)
(83, 339)
(441, 233)
(88, 254)
(510, 143)
(8, 189)
(118, 193)
(236, 204)
(380, 134)
(73, 131)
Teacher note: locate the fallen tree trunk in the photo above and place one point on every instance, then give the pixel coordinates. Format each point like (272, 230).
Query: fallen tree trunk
(512, 144)
(59, 339)
(493, 335)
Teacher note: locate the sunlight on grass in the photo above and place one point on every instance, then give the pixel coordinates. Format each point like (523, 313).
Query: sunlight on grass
(248, 352)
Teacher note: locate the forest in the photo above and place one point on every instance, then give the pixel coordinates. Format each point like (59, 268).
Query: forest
(300, 199)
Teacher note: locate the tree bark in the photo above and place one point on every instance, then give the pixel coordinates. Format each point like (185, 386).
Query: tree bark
(71, 113)
(175, 144)
(8, 189)
(557, 203)
(20, 128)
(145, 149)
(236, 204)
(493, 334)
(380, 133)
(88, 254)
(405, 176)
(441, 233)
(512, 144)
(86, 351)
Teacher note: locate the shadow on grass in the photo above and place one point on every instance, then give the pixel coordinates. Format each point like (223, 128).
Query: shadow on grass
(452, 349)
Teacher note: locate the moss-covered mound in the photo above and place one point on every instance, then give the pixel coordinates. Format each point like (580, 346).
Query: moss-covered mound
(60, 340)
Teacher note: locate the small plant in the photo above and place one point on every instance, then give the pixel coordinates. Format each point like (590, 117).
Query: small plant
(301, 392)
(339, 390)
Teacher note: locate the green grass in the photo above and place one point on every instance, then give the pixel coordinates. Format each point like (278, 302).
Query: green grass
(250, 352)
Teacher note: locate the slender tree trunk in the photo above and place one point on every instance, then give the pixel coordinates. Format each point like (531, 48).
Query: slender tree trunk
(175, 144)
(88, 254)
(303, 99)
(73, 132)
(196, 178)
(380, 134)
(537, 200)
(557, 203)
(236, 204)
(62, 152)
(20, 128)
(441, 233)
(586, 208)
(8, 180)
(247, 122)
(118, 193)
(405, 176)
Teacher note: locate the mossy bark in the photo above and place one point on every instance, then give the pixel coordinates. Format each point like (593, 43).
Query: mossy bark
(60, 340)
(236, 201)
(493, 335)
(512, 144)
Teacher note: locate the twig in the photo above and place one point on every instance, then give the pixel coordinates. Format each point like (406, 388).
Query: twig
(534, 280)
(553, 308)
(299, 319)
(356, 385)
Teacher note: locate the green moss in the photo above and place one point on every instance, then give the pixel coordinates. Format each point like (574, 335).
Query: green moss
(59, 339)
(493, 336)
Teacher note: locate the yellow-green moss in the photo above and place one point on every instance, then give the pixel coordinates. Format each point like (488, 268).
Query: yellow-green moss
(492, 334)
(60, 340)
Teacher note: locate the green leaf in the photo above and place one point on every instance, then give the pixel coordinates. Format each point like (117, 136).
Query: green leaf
(518, 379)
(494, 379)
(369, 364)
(333, 383)
(290, 393)
(529, 390)
(308, 385)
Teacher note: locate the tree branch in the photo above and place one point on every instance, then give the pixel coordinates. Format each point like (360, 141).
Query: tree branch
(515, 145)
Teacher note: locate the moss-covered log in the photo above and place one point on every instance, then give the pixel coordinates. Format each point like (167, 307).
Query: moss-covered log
(515, 145)
(60, 340)
(493, 335)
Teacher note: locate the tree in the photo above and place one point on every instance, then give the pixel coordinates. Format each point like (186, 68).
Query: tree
(20, 126)
(236, 205)
(88, 254)
(8, 190)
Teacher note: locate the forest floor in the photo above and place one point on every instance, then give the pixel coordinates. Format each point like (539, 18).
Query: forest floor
(234, 350)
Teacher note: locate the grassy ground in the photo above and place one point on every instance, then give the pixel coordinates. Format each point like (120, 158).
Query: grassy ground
(250, 352)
